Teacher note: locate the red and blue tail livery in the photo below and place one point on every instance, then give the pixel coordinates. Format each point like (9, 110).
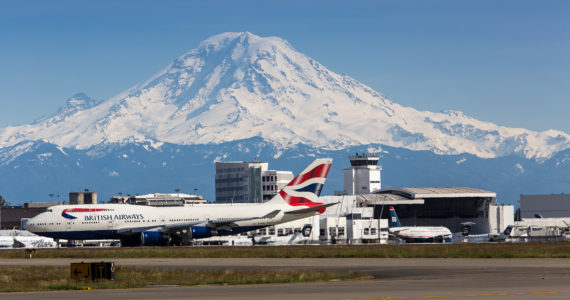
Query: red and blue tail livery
(394, 221)
(305, 189)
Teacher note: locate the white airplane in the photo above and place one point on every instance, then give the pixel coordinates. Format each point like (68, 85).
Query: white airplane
(26, 242)
(137, 225)
(418, 234)
(33, 242)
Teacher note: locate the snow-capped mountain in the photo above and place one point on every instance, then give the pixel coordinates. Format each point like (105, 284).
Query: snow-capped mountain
(236, 86)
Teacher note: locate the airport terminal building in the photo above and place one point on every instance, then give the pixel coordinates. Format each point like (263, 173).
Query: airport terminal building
(248, 182)
(546, 206)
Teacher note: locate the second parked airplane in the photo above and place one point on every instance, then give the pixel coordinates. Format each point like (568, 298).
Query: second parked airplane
(418, 234)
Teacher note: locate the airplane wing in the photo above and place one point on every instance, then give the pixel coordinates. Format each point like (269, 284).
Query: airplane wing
(18, 244)
(310, 209)
(228, 224)
(397, 229)
(233, 220)
(216, 224)
(131, 230)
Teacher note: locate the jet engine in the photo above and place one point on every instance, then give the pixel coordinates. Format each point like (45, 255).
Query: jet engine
(203, 232)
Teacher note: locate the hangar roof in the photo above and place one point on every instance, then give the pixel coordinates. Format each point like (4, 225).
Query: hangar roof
(387, 199)
(437, 192)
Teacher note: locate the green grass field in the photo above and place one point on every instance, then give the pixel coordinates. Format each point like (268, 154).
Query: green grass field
(488, 250)
(18, 279)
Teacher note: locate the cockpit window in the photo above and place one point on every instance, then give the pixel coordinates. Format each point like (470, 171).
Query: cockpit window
(48, 210)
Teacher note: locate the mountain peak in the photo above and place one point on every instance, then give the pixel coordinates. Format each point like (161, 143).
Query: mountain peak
(79, 101)
(226, 39)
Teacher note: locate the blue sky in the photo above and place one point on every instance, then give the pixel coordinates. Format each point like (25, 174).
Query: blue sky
(507, 62)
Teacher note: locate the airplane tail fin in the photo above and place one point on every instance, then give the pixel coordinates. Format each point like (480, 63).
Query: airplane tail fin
(394, 221)
(305, 189)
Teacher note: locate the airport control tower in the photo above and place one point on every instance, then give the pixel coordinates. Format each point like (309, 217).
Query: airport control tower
(363, 177)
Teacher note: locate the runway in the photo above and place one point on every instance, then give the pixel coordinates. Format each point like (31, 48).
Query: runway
(393, 279)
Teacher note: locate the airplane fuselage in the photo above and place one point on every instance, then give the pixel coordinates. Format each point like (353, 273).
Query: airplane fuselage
(106, 221)
(422, 234)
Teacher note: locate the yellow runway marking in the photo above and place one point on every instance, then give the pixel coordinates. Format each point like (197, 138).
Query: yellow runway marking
(465, 295)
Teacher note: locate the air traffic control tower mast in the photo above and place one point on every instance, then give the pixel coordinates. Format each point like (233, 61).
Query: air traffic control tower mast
(363, 177)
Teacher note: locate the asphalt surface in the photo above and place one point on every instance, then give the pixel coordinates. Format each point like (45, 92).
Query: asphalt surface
(393, 279)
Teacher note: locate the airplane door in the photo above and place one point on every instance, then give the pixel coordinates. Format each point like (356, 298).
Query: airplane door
(162, 219)
(68, 225)
(110, 223)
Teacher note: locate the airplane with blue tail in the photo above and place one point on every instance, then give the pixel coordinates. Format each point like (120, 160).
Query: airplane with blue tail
(418, 234)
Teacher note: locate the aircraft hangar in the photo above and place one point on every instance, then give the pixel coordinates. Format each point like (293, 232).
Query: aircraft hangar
(445, 206)
(432, 206)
